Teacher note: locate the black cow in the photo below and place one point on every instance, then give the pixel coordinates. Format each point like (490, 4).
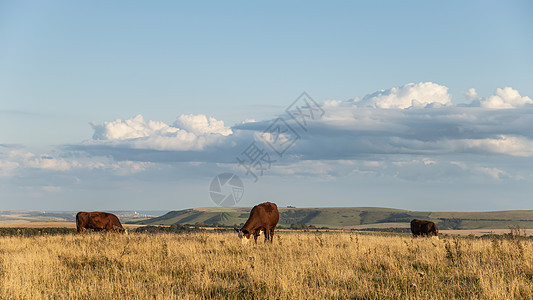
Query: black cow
(424, 228)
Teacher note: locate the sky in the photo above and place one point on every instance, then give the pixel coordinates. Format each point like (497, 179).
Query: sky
(132, 105)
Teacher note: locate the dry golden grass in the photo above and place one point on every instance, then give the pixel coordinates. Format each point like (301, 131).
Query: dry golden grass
(295, 266)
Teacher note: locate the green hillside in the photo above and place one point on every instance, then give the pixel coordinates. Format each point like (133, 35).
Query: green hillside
(351, 217)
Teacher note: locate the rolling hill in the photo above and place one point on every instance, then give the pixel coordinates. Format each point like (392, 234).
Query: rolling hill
(351, 217)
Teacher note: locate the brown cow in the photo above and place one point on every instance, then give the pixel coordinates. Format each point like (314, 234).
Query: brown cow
(263, 218)
(97, 221)
(424, 228)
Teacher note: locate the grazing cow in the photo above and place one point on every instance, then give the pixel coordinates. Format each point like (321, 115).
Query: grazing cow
(424, 228)
(97, 221)
(263, 218)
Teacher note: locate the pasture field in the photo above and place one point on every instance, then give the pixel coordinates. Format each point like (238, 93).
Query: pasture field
(296, 266)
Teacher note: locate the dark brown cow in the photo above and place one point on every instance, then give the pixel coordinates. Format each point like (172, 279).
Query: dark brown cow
(263, 218)
(98, 221)
(424, 228)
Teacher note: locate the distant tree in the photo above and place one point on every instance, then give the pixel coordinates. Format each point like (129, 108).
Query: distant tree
(174, 228)
(35, 231)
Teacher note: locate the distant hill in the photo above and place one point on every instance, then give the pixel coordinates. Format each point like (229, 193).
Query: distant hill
(332, 217)
(351, 217)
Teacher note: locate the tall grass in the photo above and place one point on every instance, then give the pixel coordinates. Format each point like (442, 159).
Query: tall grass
(295, 266)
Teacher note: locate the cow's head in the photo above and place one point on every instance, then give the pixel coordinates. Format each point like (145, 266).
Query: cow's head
(244, 235)
(119, 229)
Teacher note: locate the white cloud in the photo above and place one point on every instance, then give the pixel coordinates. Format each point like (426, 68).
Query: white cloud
(50, 163)
(305, 168)
(421, 94)
(189, 132)
(401, 167)
(51, 188)
(495, 173)
(128, 167)
(7, 167)
(132, 128)
(508, 145)
(17, 161)
(200, 124)
(471, 94)
(506, 97)
(491, 172)
(428, 161)
(372, 163)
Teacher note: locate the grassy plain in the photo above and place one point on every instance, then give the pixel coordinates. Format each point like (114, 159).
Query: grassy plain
(296, 266)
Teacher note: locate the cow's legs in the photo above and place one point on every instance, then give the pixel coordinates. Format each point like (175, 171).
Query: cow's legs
(271, 234)
(267, 233)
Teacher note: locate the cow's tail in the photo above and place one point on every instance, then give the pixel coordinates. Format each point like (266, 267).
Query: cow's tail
(78, 222)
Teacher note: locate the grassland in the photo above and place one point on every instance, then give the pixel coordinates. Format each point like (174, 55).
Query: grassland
(295, 266)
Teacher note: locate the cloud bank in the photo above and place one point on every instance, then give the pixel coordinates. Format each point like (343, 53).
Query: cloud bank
(414, 119)
(400, 145)
(402, 132)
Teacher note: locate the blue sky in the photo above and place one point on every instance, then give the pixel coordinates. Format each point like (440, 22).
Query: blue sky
(69, 70)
